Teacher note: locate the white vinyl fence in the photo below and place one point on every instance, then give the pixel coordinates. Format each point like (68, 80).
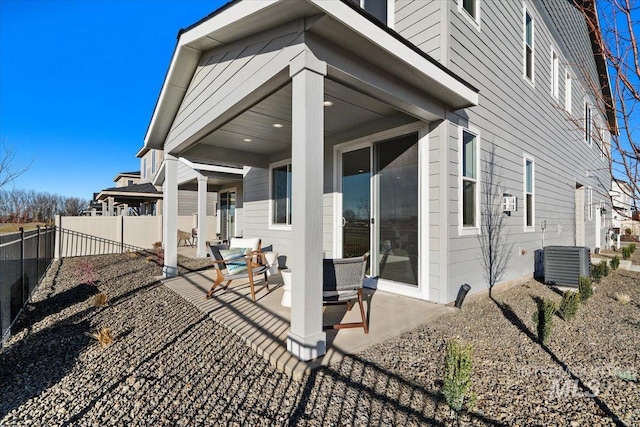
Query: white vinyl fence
(96, 235)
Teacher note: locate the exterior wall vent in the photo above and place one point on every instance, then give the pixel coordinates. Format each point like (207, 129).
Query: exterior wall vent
(563, 265)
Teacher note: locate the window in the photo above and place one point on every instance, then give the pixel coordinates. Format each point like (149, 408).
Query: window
(469, 186)
(567, 92)
(554, 74)
(528, 46)
(130, 182)
(529, 193)
(153, 162)
(587, 123)
(590, 203)
(144, 168)
(380, 9)
(470, 9)
(281, 194)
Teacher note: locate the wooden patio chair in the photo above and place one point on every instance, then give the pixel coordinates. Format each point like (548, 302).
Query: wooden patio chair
(237, 263)
(342, 280)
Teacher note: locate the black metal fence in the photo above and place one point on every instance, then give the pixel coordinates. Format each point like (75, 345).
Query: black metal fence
(24, 259)
(74, 243)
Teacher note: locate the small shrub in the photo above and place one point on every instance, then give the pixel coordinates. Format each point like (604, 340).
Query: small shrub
(104, 337)
(100, 299)
(543, 318)
(157, 245)
(457, 376)
(615, 263)
(604, 266)
(596, 272)
(626, 252)
(632, 248)
(622, 298)
(628, 231)
(86, 272)
(569, 305)
(585, 288)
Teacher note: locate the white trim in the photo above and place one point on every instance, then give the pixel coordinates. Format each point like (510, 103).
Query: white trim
(590, 203)
(475, 21)
(476, 229)
(568, 99)
(555, 74)
(524, 46)
(391, 14)
(272, 226)
(532, 227)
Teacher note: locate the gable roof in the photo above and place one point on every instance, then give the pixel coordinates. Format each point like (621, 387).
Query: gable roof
(146, 190)
(241, 18)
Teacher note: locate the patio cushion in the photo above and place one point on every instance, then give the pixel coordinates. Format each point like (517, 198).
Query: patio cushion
(234, 259)
(239, 242)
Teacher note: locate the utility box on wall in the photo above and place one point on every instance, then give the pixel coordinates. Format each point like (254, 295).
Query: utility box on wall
(563, 265)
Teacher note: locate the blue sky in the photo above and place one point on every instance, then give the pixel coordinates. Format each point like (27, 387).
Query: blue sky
(78, 83)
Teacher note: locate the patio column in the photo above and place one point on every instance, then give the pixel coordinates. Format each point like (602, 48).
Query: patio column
(110, 203)
(202, 217)
(306, 339)
(170, 217)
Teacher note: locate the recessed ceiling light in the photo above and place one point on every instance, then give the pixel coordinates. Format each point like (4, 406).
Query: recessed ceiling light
(327, 103)
(277, 125)
(247, 140)
(360, 170)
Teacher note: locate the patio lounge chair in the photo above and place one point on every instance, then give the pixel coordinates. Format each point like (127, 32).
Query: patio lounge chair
(342, 280)
(237, 263)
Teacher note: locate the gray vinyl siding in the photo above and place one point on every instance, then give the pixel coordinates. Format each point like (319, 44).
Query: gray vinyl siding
(222, 71)
(518, 118)
(420, 22)
(188, 203)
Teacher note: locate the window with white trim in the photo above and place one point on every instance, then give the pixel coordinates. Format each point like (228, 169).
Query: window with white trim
(469, 186)
(590, 203)
(529, 54)
(587, 123)
(144, 168)
(280, 193)
(567, 92)
(554, 74)
(382, 10)
(529, 199)
(153, 162)
(470, 9)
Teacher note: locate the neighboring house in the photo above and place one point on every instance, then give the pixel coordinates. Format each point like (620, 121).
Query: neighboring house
(624, 208)
(125, 179)
(369, 129)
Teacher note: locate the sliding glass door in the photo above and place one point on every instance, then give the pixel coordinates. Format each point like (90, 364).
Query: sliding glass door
(379, 186)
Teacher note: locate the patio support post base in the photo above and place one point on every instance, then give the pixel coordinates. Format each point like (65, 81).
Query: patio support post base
(307, 348)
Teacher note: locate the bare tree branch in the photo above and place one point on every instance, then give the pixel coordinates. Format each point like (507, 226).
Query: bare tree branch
(8, 170)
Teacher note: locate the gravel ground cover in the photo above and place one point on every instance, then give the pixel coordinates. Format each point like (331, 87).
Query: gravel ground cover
(171, 365)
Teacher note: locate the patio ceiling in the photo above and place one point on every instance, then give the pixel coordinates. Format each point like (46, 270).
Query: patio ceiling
(265, 128)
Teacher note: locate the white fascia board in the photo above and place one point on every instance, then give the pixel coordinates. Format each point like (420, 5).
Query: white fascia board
(158, 180)
(211, 168)
(234, 13)
(183, 64)
(361, 25)
(104, 194)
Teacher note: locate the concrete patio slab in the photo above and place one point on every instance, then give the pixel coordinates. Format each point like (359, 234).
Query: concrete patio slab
(263, 325)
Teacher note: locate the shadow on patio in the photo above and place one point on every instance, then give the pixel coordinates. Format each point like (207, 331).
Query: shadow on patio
(263, 325)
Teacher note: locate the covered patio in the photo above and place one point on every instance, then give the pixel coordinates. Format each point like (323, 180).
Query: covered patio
(261, 83)
(264, 325)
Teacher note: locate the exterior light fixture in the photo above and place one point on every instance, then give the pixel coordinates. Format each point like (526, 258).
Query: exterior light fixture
(327, 103)
(247, 140)
(277, 125)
